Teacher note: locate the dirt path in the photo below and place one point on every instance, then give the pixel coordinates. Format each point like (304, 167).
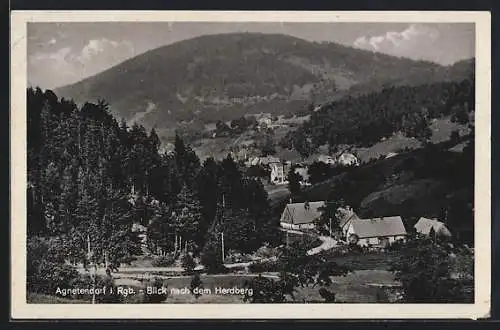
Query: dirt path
(328, 243)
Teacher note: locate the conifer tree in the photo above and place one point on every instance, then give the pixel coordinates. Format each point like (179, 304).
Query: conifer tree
(187, 217)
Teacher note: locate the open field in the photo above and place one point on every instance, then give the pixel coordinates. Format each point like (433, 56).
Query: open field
(376, 261)
(360, 286)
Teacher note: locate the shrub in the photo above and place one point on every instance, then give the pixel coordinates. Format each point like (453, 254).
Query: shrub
(155, 297)
(188, 263)
(163, 261)
(211, 258)
(46, 269)
(108, 297)
(264, 266)
(381, 296)
(327, 295)
(267, 252)
(196, 283)
(455, 136)
(236, 257)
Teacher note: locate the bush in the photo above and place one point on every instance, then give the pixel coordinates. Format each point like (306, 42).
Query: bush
(108, 297)
(212, 260)
(395, 246)
(46, 268)
(267, 252)
(188, 263)
(381, 296)
(328, 296)
(196, 283)
(155, 298)
(264, 266)
(163, 261)
(236, 257)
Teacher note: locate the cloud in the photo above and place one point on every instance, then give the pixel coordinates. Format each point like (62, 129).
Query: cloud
(407, 43)
(105, 48)
(50, 69)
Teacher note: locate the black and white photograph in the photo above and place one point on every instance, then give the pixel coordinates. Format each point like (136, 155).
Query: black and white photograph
(242, 161)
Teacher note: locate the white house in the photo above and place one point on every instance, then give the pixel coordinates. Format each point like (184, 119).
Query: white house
(347, 159)
(376, 231)
(279, 172)
(391, 154)
(424, 227)
(301, 215)
(326, 159)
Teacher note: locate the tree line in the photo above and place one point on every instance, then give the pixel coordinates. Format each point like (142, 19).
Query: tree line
(366, 119)
(91, 178)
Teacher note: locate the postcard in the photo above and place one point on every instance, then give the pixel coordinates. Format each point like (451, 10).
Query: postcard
(242, 165)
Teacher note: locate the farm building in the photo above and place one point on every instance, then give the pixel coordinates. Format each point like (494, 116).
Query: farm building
(326, 159)
(391, 154)
(346, 215)
(376, 231)
(301, 215)
(426, 226)
(279, 172)
(347, 159)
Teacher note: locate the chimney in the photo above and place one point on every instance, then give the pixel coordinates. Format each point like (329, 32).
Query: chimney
(291, 202)
(306, 205)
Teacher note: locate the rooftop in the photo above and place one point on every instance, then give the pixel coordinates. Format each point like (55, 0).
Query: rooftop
(302, 213)
(379, 227)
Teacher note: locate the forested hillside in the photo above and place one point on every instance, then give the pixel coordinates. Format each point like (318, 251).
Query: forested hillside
(365, 120)
(222, 77)
(91, 178)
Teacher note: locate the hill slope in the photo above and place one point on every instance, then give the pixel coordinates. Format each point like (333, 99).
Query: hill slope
(221, 77)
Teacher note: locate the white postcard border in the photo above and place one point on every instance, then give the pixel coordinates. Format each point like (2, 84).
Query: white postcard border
(480, 309)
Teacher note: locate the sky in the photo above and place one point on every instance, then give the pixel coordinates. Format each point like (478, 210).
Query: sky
(64, 53)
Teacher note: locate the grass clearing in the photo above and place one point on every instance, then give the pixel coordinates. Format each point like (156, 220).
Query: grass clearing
(357, 287)
(374, 261)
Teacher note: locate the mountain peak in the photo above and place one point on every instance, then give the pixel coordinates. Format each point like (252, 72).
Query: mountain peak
(224, 76)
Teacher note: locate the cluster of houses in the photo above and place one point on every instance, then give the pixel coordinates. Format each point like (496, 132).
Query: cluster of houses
(344, 159)
(265, 121)
(372, 232)
(280, 169)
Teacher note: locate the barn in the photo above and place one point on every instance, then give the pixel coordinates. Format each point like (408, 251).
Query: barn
(376, 231)
(427, 226)
(301, 215)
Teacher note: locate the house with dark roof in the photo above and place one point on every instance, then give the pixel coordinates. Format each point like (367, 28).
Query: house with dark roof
(345, 216)
(301, 215)
(427, 226)
(375, 231)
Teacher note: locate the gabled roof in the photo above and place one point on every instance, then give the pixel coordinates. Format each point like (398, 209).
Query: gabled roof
(298, 213)
(269, 160)
(347, 218)
(379, 227)
(424, 225)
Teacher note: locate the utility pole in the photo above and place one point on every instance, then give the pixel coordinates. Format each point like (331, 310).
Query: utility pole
(222, 243)
(330, 227)
(222, 229)
(89, 252)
